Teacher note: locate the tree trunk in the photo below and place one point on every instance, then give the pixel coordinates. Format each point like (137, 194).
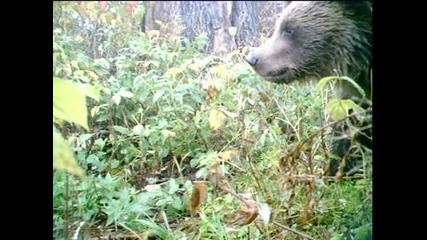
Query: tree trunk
(268, 13)
(199, 17)
(245, 18)
(161, 16)
(212, 17)
(222, 38)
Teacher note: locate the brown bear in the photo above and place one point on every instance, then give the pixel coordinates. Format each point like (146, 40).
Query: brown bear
(315, 39)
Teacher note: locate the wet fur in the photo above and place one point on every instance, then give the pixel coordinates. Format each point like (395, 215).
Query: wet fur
(314, 39)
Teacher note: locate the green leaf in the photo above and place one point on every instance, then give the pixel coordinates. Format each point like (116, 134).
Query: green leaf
(125, 94)
(232, 31)
(166, 133)
(100, 143)
(337, 237)
(321, 84)
(173, 186)
(158, 230)
(177, 204)
(85, 137)
(79, 73)
(339, 108)
(102, 62)
(355, 85)
(63, 158)
(121, 129)
(154, 63)
(69, 102)
(325, 80)
(90, 91)
(363, 232)
(158, 95)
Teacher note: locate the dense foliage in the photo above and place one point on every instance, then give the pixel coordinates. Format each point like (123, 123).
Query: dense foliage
(182, 145)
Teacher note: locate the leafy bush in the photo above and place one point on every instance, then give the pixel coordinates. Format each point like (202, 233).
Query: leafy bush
(168, 117)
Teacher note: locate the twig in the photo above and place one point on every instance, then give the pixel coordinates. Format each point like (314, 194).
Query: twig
(229, 190)
(294, 231)
(311, 177)
(335, 122)
(131, 231)
(178, 167)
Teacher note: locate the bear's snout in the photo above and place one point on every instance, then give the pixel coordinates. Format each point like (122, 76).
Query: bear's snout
(252, 59)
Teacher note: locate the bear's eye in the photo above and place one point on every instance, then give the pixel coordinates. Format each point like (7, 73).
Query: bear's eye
(289, 30)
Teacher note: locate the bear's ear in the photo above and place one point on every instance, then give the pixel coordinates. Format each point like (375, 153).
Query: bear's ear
(286, 3)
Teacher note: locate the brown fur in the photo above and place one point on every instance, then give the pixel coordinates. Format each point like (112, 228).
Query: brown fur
(313, 39)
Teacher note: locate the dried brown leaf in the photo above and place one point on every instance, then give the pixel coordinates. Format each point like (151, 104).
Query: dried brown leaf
(199, 196)
(245, 215)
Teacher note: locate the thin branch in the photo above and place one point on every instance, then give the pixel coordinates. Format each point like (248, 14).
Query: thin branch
(295, 231)
(335, 122)
(131, 231)
(232, 192)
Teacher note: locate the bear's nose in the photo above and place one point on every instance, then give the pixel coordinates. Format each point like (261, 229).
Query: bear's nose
(251, 59)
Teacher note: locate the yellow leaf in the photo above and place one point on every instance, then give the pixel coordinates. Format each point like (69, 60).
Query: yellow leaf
(221, 71)
(94, 111)
(75, 64)
(92, 75)
(113, 23)
(194, 67)
(63, 158)
(90, 91)
(339, 108)
(228, 154)
(69, 102)
(174, 71)
(153, 34)
(217, 119)
(103, 19)
(79, 39)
